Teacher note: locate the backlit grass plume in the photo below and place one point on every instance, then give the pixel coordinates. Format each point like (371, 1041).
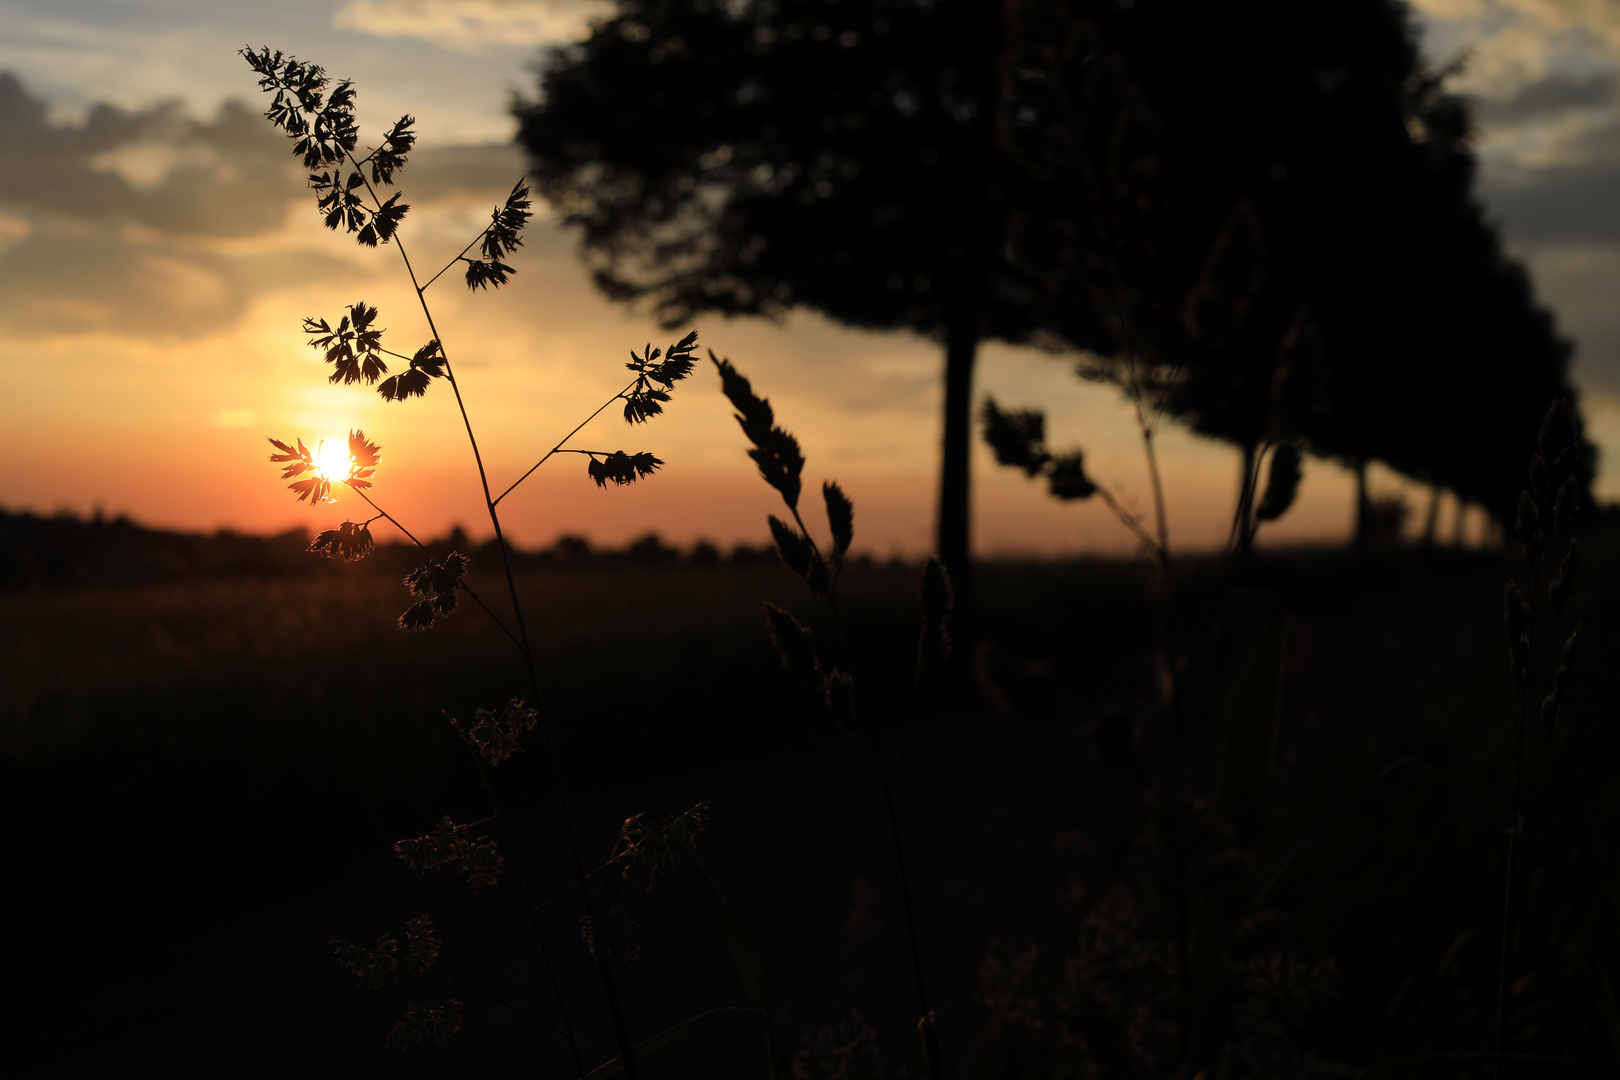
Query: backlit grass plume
(349, 188)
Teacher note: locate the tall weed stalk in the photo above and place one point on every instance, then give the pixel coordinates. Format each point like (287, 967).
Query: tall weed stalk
(350, 187)
(828, 676)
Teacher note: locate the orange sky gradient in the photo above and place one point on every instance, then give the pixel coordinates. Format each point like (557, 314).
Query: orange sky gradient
(172, 430)
(152, 287)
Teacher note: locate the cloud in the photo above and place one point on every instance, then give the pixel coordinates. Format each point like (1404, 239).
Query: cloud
(1515, 42)
(1548, 98)
(1560, 205)
(229, 177)
(439, 173)
(105, 225)
(152, 223)
(468, 26)
(1583, 276)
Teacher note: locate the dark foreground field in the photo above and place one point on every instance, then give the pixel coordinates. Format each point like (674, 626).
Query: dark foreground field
(202, 782)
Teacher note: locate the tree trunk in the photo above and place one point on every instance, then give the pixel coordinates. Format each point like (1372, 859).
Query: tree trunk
(1359, 541)
(954, 543)
(1431, 525)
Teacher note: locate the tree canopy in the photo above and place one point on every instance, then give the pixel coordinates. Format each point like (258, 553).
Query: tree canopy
(1313, 147)
(755, 156)
(1223, 168)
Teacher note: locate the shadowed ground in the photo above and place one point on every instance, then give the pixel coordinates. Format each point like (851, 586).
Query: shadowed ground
(205, 779)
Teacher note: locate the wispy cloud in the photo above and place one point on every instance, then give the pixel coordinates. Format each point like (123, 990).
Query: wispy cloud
(152, 223)
(104, 224)
(1513, 43)
(469, 26)
(153, 167)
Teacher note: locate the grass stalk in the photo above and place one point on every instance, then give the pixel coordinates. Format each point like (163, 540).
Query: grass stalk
(604, 974)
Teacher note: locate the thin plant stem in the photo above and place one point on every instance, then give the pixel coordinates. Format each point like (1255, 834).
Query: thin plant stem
(455, 260)
(528, 904)
(615, 1008)
(895, 846)
(392, 520)
(1152, 456)
(1519, 723)
(1130, 521)
(570, 888)
(1502, 954)
(523, 1068)
(565, 438)
(905, 886)
(497, 999)
(463, 586)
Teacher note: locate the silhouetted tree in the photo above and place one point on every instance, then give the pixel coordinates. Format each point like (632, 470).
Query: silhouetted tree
(754, 156)
(1232, 165)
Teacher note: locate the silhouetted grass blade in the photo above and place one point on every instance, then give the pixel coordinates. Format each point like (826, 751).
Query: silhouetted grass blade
(746, 959)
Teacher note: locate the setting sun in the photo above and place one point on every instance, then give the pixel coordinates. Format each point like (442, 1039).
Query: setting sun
(333, 461)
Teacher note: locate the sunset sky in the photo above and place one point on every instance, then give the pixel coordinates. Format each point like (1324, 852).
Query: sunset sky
(158, 251)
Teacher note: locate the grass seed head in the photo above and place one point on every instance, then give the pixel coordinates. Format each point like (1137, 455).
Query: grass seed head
(1569, 570)
(621, 468)
(495, 734)
(421, 946)
(1516, 621)
(847, 1050)
(1567, 505)
(611, 934)
(435, 582)
(651, 845)
(449, 847)
(838, 694)
(422, 1022)
(1017, 436)
(775, 451)
(1067, 479)
(799, 554)
(1527, 526)
(350, 542)
(1540, 480)
(796, 645)
(1554, 703)
(840, 518)
(1559, 434)
(1283, 483)
(1297, 381)
(374, 966)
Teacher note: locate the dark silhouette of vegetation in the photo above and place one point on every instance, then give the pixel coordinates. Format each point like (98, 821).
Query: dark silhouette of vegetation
(1262, 897)
(1173, 186)
(751, 158)
(319, 117)
(63, 550)
(827, 674)
(1206, 174)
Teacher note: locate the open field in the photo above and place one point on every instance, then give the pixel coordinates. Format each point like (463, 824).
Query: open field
(203, 780)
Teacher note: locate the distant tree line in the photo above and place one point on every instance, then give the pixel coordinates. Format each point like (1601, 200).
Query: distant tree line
(65, 550)
(1221, 172)
(1171, 186)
